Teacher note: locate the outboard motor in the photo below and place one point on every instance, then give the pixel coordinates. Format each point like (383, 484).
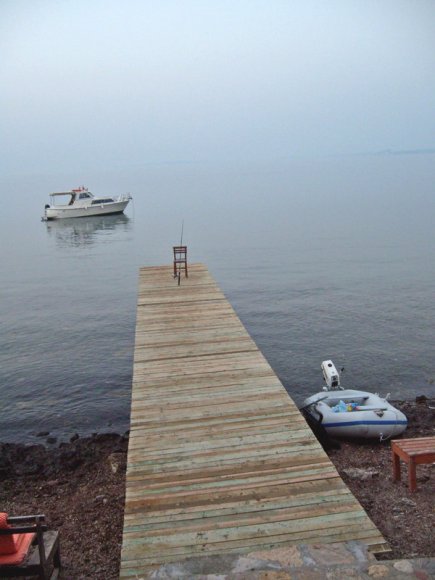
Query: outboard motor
(330, 376)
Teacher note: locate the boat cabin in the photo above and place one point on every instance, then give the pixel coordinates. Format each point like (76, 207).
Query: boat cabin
(77, 197)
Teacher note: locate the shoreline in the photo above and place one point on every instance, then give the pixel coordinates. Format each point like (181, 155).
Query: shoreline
(80, 486)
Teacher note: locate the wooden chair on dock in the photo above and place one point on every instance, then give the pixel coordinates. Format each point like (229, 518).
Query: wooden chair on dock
(27, 548)
(180, 260)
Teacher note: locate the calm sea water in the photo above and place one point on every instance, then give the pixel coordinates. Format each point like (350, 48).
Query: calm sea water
(329, 258)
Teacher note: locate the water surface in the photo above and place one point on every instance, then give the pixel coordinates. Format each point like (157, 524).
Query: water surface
(330, 258)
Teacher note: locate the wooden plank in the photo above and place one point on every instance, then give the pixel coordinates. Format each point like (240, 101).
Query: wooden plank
(200, 512)
(183, 541)
(279, 514)
(220, 459)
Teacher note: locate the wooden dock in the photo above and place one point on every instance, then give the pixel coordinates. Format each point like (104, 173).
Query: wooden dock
(220, 459)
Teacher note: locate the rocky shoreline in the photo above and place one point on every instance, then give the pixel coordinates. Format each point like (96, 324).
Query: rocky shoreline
(80, 487)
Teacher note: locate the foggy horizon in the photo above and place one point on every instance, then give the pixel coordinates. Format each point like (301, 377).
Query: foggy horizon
(109, 84)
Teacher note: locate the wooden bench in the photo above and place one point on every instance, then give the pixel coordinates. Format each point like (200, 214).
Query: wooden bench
(414, 452)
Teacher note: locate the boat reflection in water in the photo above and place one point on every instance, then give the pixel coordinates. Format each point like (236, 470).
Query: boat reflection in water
(87, 231)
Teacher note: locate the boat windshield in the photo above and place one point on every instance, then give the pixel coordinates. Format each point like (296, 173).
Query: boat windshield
(62, 198)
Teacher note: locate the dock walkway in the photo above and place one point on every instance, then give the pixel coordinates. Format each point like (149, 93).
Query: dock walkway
(220, 459)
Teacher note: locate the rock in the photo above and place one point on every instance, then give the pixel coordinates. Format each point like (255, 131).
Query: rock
(361, 474)
(28, 468)
(43, 434)
(115, 461)
(74, 438)
(245, 565)
(408, 502)
(421, 399)
(51, 440)
(288, 556)
(340, 573)
(378, 571)
(404, 566)
(28, 459)
(6, 466)
(70, 458)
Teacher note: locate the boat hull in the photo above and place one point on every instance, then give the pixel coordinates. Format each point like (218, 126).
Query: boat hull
(66, 212)
(372, 418)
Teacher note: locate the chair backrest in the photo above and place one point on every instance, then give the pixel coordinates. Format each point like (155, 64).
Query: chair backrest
(180, 252)
(17, 534)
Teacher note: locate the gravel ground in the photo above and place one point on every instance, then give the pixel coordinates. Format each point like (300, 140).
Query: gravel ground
(80, 487)
(406, 519)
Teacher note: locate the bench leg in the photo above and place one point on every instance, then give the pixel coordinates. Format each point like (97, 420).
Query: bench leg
(412, 475)
(396, 467)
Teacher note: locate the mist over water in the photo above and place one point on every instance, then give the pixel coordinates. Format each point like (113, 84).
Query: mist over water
(321, 258)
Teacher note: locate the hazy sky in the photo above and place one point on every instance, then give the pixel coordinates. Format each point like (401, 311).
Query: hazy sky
(122, 83)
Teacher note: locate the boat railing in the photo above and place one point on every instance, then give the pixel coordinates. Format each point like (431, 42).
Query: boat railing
(125, 197)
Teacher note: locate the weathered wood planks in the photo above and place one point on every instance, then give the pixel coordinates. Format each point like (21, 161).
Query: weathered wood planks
(220, 459)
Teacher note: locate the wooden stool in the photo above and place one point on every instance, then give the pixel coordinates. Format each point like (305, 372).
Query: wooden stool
(180, 260)
(414, 452)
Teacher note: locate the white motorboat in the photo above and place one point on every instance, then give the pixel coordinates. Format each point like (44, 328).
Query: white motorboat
(352, 413)
(81, 202)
